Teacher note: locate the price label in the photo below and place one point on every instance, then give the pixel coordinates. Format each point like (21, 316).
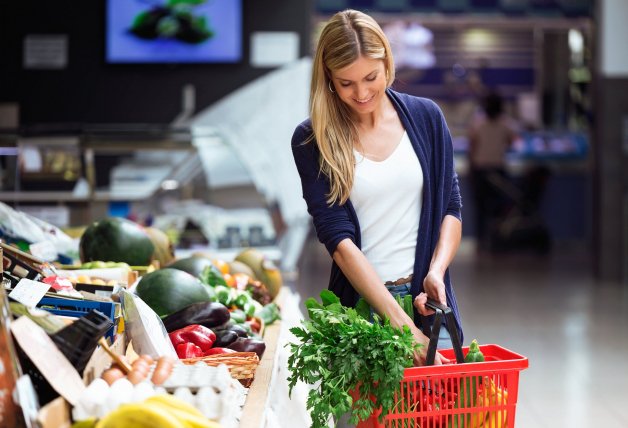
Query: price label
(29, 292)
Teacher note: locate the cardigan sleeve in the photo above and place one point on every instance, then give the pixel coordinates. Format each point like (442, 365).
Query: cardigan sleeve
(332, 223)
(455, 201)
(454, 204)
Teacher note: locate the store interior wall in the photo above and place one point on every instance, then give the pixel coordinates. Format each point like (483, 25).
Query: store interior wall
(611, 136)
(90, 91)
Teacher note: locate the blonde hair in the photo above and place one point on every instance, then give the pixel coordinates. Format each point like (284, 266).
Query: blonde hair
(346, 36)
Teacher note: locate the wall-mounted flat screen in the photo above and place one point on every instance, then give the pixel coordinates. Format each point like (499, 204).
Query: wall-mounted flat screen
(174, 31)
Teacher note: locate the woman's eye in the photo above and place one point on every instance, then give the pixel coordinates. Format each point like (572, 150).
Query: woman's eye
(370, 79)
(345, 85)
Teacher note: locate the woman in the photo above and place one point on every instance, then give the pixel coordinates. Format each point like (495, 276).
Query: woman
(377, 174)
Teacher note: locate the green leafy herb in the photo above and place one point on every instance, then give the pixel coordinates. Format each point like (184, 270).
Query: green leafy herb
(212, 276)
(269, 313)
(342, 352)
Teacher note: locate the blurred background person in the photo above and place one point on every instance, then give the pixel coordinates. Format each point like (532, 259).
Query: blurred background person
(490, 137)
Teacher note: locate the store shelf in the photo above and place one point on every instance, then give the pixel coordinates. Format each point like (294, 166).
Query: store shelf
(41, 197)
(130, 163)
(271, 252)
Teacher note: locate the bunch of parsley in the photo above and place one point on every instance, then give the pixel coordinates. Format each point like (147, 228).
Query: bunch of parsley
(341, 351)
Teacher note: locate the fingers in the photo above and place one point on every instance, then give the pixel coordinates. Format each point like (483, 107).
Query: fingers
(434, 286)
(419, 304)
(419, 360)
(442, 360)
(442, 296)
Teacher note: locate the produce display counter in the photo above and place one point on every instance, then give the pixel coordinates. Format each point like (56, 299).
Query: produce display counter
(238, 315)
(254, 410)
(267, 394)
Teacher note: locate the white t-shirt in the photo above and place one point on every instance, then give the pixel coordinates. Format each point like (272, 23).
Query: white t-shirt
(387, 199)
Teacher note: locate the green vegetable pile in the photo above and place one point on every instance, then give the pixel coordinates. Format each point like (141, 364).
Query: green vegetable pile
(341, 351)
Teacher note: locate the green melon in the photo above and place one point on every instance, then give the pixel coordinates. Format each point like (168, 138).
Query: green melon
(192, 265)
(168, 290)
(117, 240)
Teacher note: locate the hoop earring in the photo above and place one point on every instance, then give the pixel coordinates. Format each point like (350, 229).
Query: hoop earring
(329, 86)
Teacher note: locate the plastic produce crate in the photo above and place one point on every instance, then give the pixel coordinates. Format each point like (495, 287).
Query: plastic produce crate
(79, 308)
(458, 395)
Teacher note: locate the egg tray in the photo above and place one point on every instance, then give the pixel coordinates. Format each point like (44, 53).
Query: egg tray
(195, 377)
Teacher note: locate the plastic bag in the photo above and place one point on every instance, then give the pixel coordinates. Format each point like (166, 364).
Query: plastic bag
(17, 225)
(144, 327)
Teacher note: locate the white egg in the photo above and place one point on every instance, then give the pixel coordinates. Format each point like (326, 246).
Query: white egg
(142, 391)
(120, 392)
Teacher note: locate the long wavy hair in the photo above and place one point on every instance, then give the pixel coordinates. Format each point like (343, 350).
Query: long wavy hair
(345, 37)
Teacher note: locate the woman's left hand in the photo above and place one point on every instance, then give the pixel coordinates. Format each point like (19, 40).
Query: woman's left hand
(434, 288)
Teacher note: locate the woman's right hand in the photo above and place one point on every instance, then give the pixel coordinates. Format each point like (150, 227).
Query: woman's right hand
(421, 355)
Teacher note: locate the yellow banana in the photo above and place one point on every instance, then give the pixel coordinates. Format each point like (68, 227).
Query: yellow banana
(85, 423)
(476, 420)
(496, 396)
(184, 411)
(140, 415)
(173, 402)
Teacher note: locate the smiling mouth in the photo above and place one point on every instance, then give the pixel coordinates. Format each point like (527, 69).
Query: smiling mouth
(365, 101)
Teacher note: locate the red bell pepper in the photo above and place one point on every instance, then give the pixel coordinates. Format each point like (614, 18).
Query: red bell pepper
(435, 402)
(188, 350)
(215, 351)
(196, 334)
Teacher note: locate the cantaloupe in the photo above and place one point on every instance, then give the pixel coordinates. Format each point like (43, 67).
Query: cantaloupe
(263, 268)
(164, 250)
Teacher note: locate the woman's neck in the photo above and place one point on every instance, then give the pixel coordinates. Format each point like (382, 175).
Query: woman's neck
(376, 117)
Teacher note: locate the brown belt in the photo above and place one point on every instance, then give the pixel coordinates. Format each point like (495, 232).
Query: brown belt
(400, 281)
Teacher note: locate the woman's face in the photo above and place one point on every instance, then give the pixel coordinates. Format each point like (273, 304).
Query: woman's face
(361, 85)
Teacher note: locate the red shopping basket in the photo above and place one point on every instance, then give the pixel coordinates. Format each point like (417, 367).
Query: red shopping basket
(459, 395)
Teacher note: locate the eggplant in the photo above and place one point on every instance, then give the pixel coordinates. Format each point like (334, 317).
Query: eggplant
(240, 331)
(209, 314)
(248, 345)
(225, 338)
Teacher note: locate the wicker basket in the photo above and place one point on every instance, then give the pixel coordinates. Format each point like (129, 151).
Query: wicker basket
(242, 365)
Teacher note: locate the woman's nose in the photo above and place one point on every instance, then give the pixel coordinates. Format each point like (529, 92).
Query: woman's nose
(361, 92)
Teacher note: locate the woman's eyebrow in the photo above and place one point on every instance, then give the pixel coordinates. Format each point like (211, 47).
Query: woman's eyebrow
(365, 77)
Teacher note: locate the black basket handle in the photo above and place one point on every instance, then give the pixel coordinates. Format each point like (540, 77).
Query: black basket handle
(441, 311)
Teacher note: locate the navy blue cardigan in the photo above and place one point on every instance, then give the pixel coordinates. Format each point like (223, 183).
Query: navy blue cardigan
(428, 132)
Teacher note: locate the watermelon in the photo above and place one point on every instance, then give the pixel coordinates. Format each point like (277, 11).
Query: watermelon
(116, 239)
(169, 290)
(192, 265)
